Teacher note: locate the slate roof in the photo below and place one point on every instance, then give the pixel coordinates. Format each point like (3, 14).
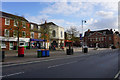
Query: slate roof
(4, 14)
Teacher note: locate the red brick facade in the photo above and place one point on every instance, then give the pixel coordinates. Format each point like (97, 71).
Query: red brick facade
(102, 38)
(11, 29)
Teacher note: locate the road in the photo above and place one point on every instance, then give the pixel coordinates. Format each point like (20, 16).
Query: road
(102, 64)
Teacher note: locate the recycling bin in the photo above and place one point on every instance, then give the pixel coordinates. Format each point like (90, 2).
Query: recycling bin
(39, 53)
(20, 51)
(47, 53)
(3, 56)
(85, 50)
(43, 52)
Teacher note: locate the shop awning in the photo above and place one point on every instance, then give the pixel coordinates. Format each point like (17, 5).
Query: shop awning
(37, 40)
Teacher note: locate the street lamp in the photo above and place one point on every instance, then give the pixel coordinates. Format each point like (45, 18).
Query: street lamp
(83, 21)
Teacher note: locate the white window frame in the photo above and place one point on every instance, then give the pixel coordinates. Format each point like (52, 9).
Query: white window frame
(23, 22)
(31, 35)
(39, 35)
(15, 33)
(22, 34)
(15, 23)
(6, 21)
(38, 27)
(32, 26)
(5, 33)
(61, 33)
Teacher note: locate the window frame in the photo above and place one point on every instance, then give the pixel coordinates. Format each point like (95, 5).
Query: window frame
(15, 24)
(5, 33)
(31, 34)
(24, 33)
(6, 21)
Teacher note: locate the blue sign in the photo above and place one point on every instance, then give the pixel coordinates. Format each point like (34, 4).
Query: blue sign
(80, 36)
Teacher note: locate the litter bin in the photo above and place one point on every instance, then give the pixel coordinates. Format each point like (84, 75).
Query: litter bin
(43, 52)
(69, 51)
(39, 53)
(3, 56)
(85, 50)
(20, 51)
(47, 53)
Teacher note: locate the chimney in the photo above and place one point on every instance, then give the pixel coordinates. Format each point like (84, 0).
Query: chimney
(88, 30)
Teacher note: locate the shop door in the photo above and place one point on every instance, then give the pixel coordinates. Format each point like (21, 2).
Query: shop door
(11, 46)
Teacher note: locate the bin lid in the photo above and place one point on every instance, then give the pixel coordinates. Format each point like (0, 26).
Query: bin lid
(38, 50)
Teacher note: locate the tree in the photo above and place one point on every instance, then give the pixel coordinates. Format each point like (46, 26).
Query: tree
(45, 31)
(20, 23)
(73, 32)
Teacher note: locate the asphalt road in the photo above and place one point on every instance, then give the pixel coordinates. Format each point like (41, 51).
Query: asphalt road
(102, 64)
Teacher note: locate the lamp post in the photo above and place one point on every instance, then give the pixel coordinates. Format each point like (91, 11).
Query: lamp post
(83, 21)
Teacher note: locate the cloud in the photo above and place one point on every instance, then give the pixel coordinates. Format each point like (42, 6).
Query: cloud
(104, 14)
(62, 7)
(37, 19)
(112, 6)
(103, 23)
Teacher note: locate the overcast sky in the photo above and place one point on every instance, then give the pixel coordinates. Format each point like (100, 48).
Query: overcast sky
(99, 15)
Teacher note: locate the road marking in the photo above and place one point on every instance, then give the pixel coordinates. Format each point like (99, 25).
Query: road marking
(40, 61)
(116, 76)
(62, 64)
(12, 74)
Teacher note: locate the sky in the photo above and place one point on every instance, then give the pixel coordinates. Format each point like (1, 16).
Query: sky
(98, 15)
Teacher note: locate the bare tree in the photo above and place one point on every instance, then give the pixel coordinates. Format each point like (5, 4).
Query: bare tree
(73, 32)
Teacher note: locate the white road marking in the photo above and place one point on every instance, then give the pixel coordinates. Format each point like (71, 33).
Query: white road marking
(116, 76)
(61, 64)
(12, 74)
(38, 61)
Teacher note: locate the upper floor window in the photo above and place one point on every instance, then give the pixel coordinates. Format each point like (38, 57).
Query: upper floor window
(32, 35)
(23, 34)
(39, 35)
(32, 26)
(14, 33)
(109, 38)
(54, 33)
(38, 27)
(7, 21)
(102, 38)
(24, 24)
(61, 34)
(15, 23)
(6, 32)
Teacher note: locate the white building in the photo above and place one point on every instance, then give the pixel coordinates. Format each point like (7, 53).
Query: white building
(57, 35)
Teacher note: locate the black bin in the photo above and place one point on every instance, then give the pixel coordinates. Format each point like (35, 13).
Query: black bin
(3, 56)
(69, 51)
(85, 50)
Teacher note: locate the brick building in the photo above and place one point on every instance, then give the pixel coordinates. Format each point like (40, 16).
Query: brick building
(102, 38)
(35, 36)
(10, 25)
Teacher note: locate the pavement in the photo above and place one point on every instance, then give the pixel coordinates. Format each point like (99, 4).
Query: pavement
(102, 63)
(11, 57)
